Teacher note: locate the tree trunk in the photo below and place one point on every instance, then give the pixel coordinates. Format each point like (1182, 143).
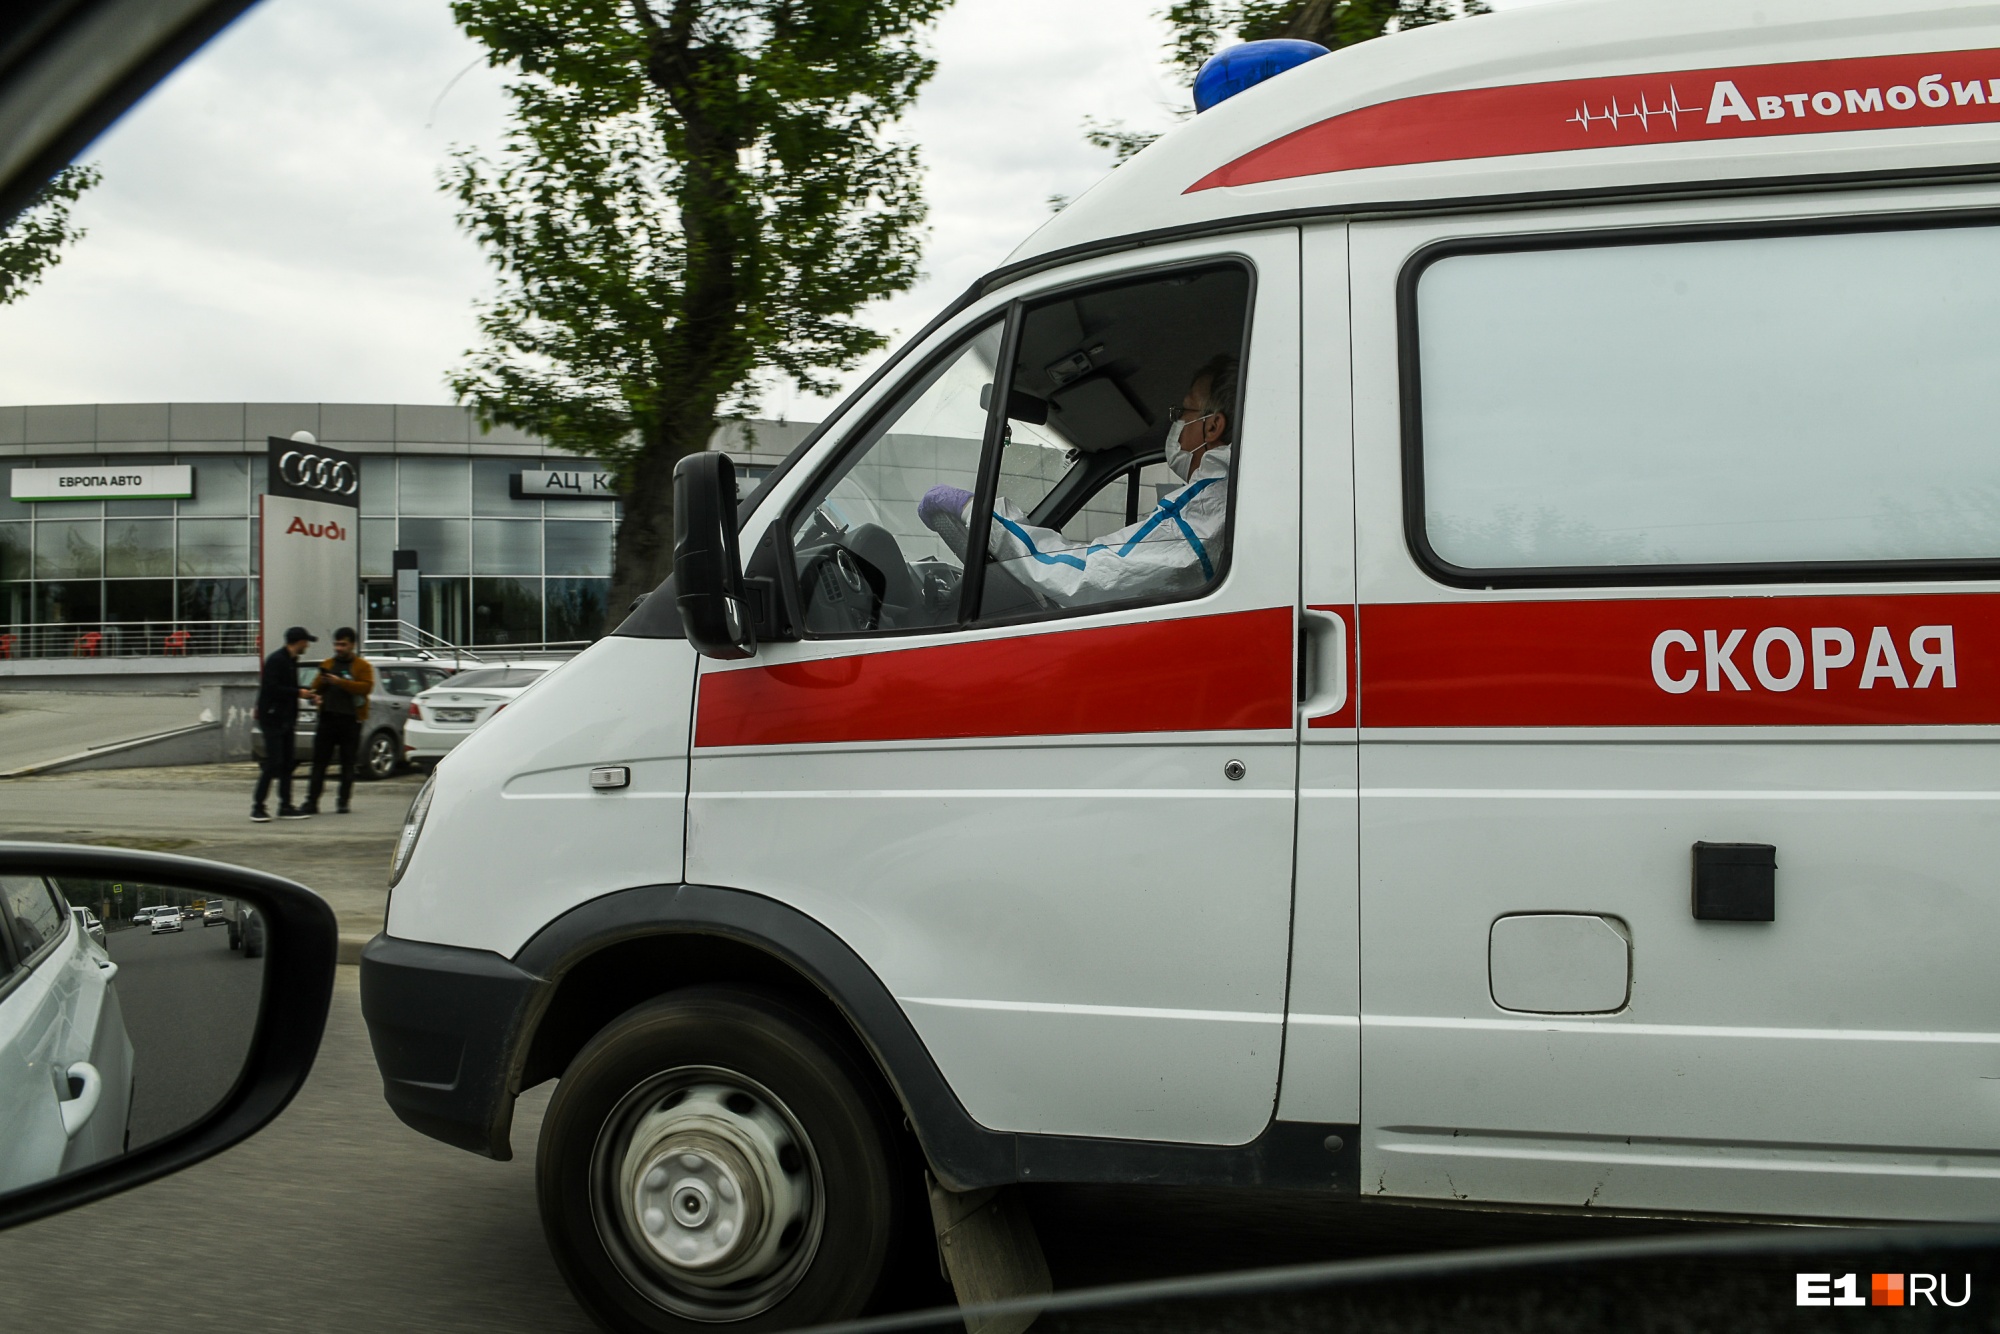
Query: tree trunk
(645, 554)
(704, 353)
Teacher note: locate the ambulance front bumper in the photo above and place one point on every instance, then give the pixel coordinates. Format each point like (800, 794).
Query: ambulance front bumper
(446, 1024)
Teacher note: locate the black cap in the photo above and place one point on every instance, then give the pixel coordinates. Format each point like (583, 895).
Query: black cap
(298, 632)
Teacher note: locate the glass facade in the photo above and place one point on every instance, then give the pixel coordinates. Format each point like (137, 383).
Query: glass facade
(495, 570)
(134, 573)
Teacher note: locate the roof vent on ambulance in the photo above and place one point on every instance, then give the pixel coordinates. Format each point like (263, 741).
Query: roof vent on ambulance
(1229, 72)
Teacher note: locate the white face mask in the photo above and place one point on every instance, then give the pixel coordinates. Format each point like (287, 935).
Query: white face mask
(1178, 459)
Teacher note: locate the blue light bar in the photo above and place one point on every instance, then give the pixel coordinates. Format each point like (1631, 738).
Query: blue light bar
(1227, 73)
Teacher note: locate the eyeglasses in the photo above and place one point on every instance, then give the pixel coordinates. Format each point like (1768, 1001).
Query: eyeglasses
(1178, 412)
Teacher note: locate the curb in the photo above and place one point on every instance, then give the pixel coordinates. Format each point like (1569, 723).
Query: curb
(351, 947)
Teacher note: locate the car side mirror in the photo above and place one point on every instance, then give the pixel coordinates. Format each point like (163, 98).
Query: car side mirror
(154, 1011)
(708, 570)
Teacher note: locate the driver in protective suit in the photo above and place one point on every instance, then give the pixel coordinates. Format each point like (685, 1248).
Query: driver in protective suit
(1172, 549)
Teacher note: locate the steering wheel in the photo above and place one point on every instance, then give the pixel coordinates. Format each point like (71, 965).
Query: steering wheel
(938, 585)
(843, 594)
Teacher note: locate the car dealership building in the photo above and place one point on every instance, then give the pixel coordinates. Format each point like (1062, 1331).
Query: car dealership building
(169, 568)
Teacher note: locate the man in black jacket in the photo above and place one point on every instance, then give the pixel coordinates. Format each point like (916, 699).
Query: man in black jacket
(278, 695)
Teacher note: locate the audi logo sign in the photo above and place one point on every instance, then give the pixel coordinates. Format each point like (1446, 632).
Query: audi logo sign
(314, 472)
(319, 473)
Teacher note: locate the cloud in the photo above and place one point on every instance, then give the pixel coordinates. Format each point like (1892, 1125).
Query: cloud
(270, 228)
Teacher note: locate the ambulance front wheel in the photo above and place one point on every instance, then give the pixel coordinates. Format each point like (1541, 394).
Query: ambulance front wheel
(718, 1156)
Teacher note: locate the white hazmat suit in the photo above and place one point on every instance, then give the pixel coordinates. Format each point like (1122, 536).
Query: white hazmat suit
(1173, 549)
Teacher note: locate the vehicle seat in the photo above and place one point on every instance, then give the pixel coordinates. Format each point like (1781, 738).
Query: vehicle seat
(876, 546)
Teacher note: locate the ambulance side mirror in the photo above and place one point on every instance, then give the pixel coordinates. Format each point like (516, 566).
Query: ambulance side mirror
(708, 570)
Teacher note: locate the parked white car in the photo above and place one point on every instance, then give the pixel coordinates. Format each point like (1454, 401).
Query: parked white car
(447, 713)
(65, 1057)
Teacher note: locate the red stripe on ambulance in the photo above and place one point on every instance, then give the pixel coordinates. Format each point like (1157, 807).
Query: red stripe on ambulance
(1684, 662)
(1757, 101)
(1187, 674)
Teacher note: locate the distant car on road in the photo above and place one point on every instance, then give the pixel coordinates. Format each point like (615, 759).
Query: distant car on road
(397, 681)
(213, 917)
(166, 921)
(446, 714)
(145, 915)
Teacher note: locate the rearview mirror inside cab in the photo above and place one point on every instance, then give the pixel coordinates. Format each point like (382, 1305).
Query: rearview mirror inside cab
(153, 1011)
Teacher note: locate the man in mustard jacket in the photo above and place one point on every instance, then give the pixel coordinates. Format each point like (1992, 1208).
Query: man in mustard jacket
(343, 685)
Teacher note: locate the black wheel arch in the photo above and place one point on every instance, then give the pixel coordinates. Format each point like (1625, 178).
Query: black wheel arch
(603, 957)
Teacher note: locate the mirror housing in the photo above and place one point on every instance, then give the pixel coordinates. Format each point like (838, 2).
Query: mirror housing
(708, 570)
(300, 942)
(1022, 406)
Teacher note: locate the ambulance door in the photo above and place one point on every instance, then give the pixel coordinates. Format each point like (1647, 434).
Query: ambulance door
(1678, 526)
(1054, 816)
(1323, 1027)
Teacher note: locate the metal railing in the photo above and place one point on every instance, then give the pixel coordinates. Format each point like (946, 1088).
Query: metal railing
(129, 639)
(382, 637)
(199, 639)
(421, 642)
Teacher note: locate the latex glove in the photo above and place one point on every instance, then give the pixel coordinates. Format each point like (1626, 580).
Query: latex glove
(943, 502)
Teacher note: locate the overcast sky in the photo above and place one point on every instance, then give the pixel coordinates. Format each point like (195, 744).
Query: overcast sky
(270, 227)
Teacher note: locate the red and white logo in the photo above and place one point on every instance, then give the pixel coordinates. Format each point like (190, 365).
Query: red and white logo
(1859, 659)
(1778, 658)
(332, 531)
(1883, 1290)
(1752, 101)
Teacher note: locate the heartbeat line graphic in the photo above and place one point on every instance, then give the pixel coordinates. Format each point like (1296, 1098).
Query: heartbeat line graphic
(1643, 111)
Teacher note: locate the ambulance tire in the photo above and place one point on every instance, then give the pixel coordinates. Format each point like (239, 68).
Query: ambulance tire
(714, 1083)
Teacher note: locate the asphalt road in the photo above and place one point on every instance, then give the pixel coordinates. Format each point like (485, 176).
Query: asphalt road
(190, 1005)
(337, 1217)
(204, 811)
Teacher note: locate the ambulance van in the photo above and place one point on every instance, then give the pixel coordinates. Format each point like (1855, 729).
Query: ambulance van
(1431, 638)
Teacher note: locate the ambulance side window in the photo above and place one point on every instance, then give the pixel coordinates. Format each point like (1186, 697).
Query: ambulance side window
(872, 552)
(1705, 407)
(1123, 499)
(1103, 379)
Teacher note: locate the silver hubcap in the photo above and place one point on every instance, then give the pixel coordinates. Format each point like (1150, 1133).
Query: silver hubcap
(717, 1193)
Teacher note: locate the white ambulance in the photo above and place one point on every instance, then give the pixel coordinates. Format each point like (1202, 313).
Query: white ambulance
(1431, 638)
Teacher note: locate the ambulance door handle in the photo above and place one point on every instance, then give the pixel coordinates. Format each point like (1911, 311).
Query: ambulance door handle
(1323, 674)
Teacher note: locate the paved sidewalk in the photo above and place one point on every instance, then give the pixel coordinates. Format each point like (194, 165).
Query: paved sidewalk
(204, 811)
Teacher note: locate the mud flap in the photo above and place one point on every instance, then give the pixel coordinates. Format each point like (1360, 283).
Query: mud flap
(990, 1253)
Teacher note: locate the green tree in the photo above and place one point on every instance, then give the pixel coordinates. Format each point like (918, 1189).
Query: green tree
(33, 242)
(694, 196)
(1199, 25)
